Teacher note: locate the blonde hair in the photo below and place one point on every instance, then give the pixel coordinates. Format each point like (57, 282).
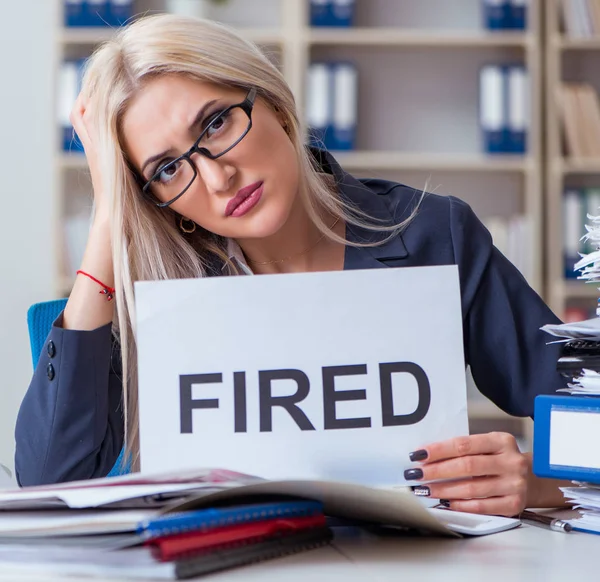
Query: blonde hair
(146, 243)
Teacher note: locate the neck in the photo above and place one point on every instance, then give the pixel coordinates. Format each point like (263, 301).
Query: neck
(299, 246)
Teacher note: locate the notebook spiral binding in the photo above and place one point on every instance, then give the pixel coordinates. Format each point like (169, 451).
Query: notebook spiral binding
(254, 553)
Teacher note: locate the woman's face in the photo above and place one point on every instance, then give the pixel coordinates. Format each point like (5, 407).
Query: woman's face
(246, 193)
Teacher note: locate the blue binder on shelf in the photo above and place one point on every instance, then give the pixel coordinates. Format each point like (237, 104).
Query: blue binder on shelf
(69, 86)
(496, 14)
(119, 12)
(87, 13)
(565, 438)
(493, 109)
(574, 219)
(339, 13)
(518, 110)
(345, 106)
(319, 102)
(74, 12)
(342, 12)
(517, 14)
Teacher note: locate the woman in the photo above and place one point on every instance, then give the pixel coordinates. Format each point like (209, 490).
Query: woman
(249, 198)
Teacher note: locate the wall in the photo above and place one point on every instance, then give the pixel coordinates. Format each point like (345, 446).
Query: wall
(26, 189)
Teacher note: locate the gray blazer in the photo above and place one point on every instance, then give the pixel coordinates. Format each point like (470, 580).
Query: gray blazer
(70, 426)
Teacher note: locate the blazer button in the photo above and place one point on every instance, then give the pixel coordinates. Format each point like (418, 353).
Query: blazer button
(50, 372)
(51, 349)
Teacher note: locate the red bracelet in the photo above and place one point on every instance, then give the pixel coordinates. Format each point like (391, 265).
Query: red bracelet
(106, 290)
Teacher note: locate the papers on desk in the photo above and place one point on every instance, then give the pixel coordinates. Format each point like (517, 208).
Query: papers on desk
(586, 499)
(172, 527)
(587, 330)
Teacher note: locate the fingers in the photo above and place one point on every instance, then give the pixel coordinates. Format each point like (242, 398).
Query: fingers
(479, 487)
(508, 506)
(470, 466)
(78, 117)
(479, 444)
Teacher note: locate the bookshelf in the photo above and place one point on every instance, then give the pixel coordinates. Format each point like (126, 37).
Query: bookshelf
(418, 66)
(568, 59)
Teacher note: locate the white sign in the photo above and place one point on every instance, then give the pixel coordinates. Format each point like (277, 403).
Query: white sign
(335, 375)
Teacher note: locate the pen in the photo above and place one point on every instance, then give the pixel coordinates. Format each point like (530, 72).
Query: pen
(545, 521)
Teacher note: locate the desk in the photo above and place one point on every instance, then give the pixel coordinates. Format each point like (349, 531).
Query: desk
(526, 554)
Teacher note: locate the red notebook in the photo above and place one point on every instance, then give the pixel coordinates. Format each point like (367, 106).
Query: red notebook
(177, 546)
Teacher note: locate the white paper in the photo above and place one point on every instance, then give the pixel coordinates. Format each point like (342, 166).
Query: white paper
(305, 322)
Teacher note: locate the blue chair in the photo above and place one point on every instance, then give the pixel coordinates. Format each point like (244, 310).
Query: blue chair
(40, 317)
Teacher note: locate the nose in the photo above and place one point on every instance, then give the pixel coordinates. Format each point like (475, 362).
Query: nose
(217, 174)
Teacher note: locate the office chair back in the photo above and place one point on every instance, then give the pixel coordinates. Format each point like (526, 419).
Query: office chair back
(40, 317)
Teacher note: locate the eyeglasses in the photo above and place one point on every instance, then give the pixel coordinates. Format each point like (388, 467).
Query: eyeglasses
(173, 179)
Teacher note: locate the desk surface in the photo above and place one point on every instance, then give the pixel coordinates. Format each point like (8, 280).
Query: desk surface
(525, 554)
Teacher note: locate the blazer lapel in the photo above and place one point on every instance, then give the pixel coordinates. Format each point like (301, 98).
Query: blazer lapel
(361, 196)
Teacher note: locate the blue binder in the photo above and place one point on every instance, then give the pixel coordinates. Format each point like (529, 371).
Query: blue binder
(559, 451)
(119, 12)
(70, 85)
(320, 13)
(342, 12)
(344, 109)
(338, 13)
(516, 79)
(496, 14)
(319, 102)
(517, 14)
(210, 518)
(493, 109)
(95, 13)
(74, 13)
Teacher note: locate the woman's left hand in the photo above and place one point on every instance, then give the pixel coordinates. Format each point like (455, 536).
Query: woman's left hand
(490, 474)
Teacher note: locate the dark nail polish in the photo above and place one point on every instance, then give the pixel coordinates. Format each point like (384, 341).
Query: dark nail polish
(445, 502)
(421, 491)
(413, 474)
(419, 455)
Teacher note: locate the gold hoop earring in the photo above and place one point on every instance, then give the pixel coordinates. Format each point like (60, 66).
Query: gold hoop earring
(189, 229)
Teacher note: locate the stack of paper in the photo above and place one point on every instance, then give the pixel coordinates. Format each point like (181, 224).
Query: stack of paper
(174, 527)
(585, 498)
(580, 360)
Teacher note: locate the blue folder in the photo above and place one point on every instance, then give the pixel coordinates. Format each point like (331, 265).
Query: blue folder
(546, 461)
(205, 519)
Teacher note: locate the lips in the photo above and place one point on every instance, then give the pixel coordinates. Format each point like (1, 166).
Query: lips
(241, 202)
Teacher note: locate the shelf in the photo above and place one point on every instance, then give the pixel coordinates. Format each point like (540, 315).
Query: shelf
(581, 166)
(97, 35)
(414, 38)
(365, 160)
(72, 161)
(376, 160)
(580, 290)
(565, 43)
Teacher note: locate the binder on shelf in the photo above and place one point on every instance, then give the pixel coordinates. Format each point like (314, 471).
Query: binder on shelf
(342, 12)
(345, 106)
(495, 14)
(517, 14)
(320, 13)
(74, 13)
(492, 109)
(565, 438)
(69, 86)
(573, 229)
(95, 13)
(119, 12)
(518, 117)
(338, 13)
(319, 101)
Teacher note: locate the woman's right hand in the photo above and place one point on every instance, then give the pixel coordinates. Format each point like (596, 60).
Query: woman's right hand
(81, 116)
